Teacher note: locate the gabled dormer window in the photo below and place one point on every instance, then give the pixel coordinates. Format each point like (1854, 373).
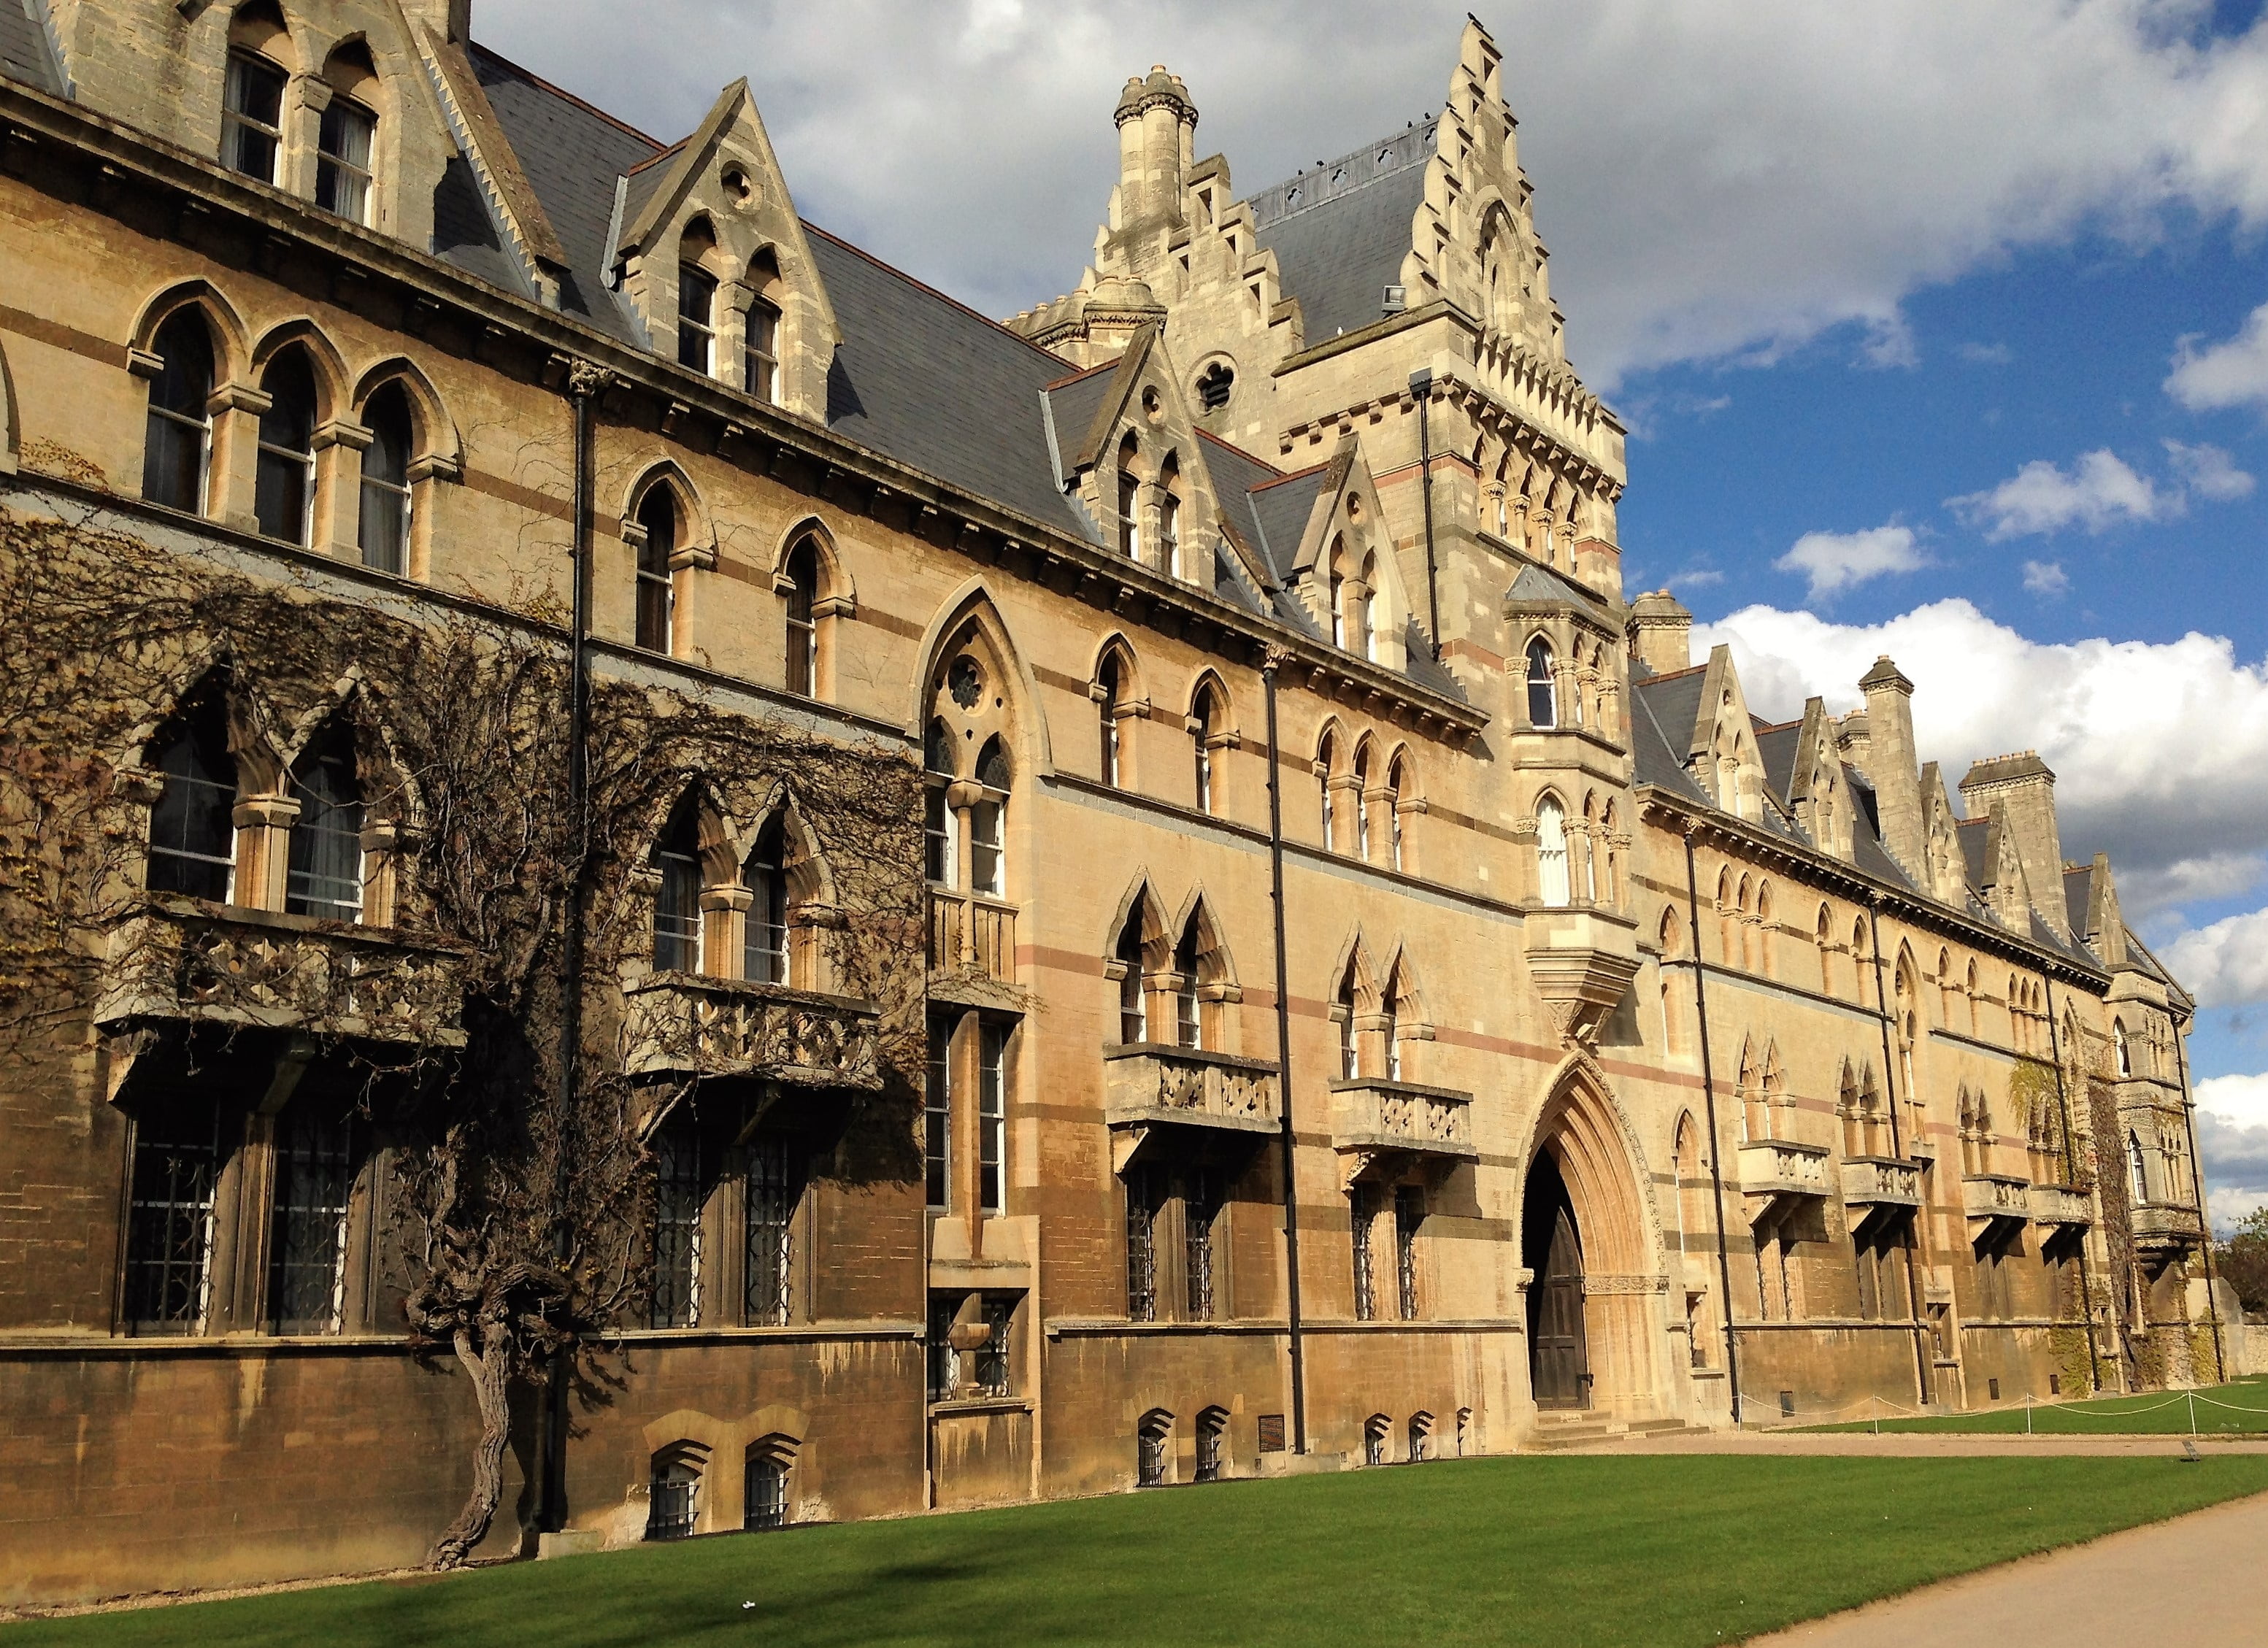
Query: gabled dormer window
(250, 127)
(762, 363)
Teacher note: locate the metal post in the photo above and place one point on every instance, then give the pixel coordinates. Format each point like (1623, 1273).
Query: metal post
(1709, 1104)
(1897, 1148)
(1271, 661)
(2071, 1174)
(1421, 386)
(2205, 1214)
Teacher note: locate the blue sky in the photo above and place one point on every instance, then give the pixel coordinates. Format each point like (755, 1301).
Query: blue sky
(1942, 330)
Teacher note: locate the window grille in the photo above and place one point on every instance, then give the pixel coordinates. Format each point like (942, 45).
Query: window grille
(995, 1357)
(324, 874)
(937, 1115)
(762, 379)
(177, 444)
(1211, 1429)
(383, 526)
(192, 827)
(1374, 1441)
(1151, 1465)
(252, 116)
(1366, 1298)
(677, 1227)
(284, 483)
(343, 160)
(772, 1198)
(169, 1234)
(1141, 1247)
(991, 1117)
(315, 1178)
(943, 1360)
(696, 327)
(1200, 1206)
(767, 1493)
(1409, 1214)
(671, 1507)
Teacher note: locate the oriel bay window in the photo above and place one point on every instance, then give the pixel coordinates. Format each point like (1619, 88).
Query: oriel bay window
(1542, 685)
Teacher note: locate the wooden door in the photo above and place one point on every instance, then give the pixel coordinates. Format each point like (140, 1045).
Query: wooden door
(1559, 1366)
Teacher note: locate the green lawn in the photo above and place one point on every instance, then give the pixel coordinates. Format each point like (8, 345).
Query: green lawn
(2234, 1409)
(1565, 1551)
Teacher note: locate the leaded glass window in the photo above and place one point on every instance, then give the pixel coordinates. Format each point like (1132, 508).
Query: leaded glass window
(315, 1181)
(772, 1198)
(678, 1195)
(169, 1234)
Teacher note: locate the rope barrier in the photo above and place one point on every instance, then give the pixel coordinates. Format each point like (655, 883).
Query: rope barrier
(1876, 1408)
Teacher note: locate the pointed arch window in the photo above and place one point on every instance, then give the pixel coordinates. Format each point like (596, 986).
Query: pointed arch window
(1327, 755)
(2120, 1051)
(1551, 852)
(1343, 1010)
(1542, 687)
(1339, 609)
(1133, 1001)
(941, 825)
(383, 528)
(677, 900)
(252, 116)
(696, 318)
(761, 368)
(1362, 803)
(177, 445)
(2138, 1175)
(343, 151)
(657, 594)
(1393, 1030)
(988, 821)
(1110, 682)
(284, 489)
(1130, 505)
(1366, 638)
(325, 870)
(1208, 724)
(765, 957)
(1169, 518)
(192, 826)
(1397, 776)
(1188, 1017)
(802, 570)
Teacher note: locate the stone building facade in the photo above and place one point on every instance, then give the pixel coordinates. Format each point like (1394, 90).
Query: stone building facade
(1166, 919)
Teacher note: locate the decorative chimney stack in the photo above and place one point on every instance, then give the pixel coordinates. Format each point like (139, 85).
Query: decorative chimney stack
(1660, 633)
(2021, 789)
(1894, 768)
(1156, 124)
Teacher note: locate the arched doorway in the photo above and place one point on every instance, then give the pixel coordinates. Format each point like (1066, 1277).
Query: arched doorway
(1558, 1353)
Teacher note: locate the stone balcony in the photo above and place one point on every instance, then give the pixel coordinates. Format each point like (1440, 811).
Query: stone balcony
(1155, 1094)
(2061, 1205)
(184, 961)
(682, 1026)
(1378, 1125)
(972, 935)
(2160, 1226)
(1773, 1170)
(1582, 961)
(1881, 1184)
(1987, 1197)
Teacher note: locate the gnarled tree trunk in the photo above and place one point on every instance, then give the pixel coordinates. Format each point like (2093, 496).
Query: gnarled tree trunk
(490, 1368)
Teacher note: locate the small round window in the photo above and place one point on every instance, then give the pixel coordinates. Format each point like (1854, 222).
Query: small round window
(965, 681)
(1213, 386)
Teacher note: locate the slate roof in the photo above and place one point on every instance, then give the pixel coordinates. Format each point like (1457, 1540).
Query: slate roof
(466, 232)
(2077, 894)
(571, 154)
(1659, 704)
(1341, 232)
(1778, 746)
(1976, 838)
(23, 54)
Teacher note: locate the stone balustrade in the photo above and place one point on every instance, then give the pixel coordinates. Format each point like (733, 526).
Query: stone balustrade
(2159, 1226)
(679, 1025)
(2060, 1205)
(1881, 1181)
(1996, 1196)
(1377, 1123)
(970, 933)
(1783, 1167)
(185, 962)
(1146, 1083)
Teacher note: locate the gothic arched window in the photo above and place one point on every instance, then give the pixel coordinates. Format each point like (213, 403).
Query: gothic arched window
(325, 876)
(1542, 687)
(657, 596)
(383, 526)
(178, 442)
(283, 490)
(1551, 852)
(192, 826)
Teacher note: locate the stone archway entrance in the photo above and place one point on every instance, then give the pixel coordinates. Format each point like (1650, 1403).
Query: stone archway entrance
(1596, 1297)
(1558, 1350)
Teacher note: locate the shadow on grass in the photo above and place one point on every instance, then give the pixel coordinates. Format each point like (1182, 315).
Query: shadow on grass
(1580, 1552)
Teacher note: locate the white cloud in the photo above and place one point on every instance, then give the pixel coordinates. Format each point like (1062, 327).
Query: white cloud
(1986, 354)
(2239, 1100)
(2225, 964)
(1836, 561)
(2232, 1140)
(2046, 577)
(1808, 164)
(2159, 749)
(2231, 373)
(2209, 471)
(2100, 491)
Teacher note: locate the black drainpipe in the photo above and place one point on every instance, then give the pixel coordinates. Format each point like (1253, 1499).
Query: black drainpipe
(1897, 1148)
(1709, 1104)
(1421, 386)
(2204, 1215)
(1270, 660)
(2071, 1176)
(584, 381)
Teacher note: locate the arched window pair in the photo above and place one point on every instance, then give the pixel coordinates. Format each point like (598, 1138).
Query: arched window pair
(192, 843)
(253, 109)
(1354, 599)
(1359, 815)
(1356, 1060)
(691, 924)
(980, 820)
(177, 445)
(1195, 977)
(676, 1506)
